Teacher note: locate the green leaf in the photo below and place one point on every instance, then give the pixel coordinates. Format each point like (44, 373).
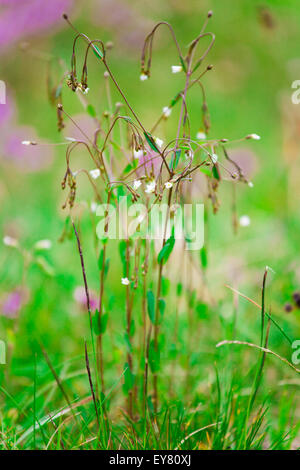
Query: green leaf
(154, 357)
(165, 286)
(206, 171)
(216, 173)
(128, 379)
(161, 306)
(106, 267)
(91, 110)
(166, 250)
(174, 161)
(100, 260)
(151, 141)
(203, 257)
(179, 289)
(97, 52)
(99, 325)
(151, 306)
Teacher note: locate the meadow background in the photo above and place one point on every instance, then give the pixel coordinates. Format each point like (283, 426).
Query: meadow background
(256, 58)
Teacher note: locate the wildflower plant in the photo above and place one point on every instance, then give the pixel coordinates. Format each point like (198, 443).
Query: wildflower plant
(145, 169)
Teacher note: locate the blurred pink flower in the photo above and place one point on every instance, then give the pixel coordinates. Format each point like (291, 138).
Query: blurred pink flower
(13, 303)
(7, 111)
(124, 19)
(25, 157)
(85, 123)
(27, 17)
(151, 160)
(80, 297)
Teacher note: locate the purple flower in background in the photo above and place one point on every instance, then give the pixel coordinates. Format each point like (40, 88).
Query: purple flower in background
(20, 18)
(80, 297)
(26, 157)
(151, 161)
(7, 111)
(124, 19)
(13, 303)
(85, 123)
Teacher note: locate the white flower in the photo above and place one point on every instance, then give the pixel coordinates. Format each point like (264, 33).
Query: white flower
(94, 206)
(201, 135)
(26, 142)
(125, 281)
(143, 77)
(10, 241)
(250, 184)
(167, 111)
(136, 184)
(176, 68)
(85, 92)
(214, 158)
(168, 185)
(245, 221)
(95, 173)
(150, 187)
(253, 136)
(138, 153)
(43, 245)
(159, 142)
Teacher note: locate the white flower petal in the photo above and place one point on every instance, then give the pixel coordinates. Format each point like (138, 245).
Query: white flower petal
(43, 245)
(167, 111)
(201, 135)
(245, 221)
(10, 241)
(176, 68)
(95, 173)
(136, 184)
(125, 281)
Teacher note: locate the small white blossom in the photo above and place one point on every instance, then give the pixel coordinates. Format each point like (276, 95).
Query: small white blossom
(150, 187)
(176, 68)
(10, 241)
(43, 245)
(95, 173)
(138, 153)
(85, 92)
(167, 111)
(159, 142)
(245, 221)
(143, 77)
(214, 158)
(125, 281)
(253, 136)
(94, 206)
(136, 184)
(201, 135)
(168, 185)
(26, 142)
(250, 184)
